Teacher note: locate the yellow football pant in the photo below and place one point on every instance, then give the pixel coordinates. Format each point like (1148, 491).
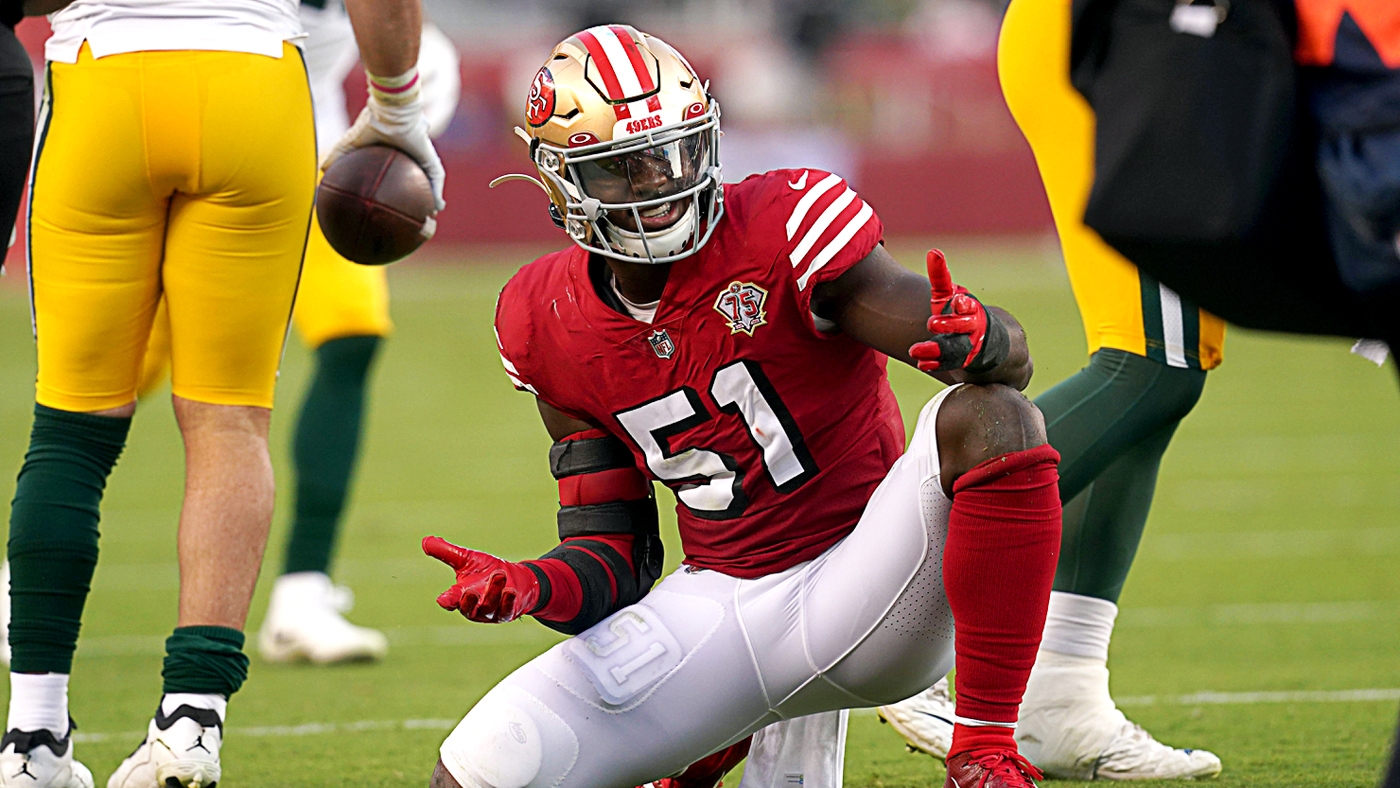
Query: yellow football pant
(336, 298)
(1121, 307)
(184, 174)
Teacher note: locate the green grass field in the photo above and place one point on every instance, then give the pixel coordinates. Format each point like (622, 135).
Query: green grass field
(1270, 564)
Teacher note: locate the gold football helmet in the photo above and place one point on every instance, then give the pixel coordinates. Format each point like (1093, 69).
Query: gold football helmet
(626, 139)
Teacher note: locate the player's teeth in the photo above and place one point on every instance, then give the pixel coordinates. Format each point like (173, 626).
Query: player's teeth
(659, 210)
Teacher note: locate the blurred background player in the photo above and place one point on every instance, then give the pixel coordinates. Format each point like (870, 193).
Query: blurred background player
(1111, 422)
(1350, 58)
(342, 313)
(16, 117)
(201, 191)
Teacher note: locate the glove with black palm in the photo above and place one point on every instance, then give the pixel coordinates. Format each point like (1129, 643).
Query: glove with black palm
(966, 335)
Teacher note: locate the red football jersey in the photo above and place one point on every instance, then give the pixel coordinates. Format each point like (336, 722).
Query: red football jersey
(772, 433)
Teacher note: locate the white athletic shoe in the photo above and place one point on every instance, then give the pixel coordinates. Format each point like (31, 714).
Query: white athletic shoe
(1071, 729)
(38, 759)
(180, 751)
(925, 721)
(305, 621)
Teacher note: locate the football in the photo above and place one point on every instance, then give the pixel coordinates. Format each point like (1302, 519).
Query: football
(375, 205)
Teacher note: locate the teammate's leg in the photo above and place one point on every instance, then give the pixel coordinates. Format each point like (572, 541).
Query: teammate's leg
(324, 449)
(1070, 722)
(94, 245)
(233, 246)
(1111, 422)
(343, 312)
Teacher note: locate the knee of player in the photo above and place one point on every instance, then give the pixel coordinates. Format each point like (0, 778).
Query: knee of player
(980, 422)
(1166, 390)
(502, 744)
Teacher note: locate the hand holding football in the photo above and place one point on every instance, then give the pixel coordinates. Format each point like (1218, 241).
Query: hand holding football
(375, 205)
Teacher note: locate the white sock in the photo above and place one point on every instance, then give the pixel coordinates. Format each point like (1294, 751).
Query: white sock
(174, 700)
(39, 701)
(1079, 625)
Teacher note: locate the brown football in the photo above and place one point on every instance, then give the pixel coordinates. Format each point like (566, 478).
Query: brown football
(375, 205)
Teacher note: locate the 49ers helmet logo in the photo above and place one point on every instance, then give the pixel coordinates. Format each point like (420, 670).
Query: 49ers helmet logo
(540, 106)
(742, 306)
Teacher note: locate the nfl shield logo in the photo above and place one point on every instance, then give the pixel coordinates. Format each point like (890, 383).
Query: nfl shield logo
(662, 344)
(742, 306)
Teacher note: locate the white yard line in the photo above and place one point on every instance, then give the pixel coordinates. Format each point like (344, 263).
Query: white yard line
(1245, 698)
(1250, 698)
(305, 729)
(463, 634)
(1194, 699)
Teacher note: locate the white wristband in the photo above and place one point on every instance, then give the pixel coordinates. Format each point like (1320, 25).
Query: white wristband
(395, 91)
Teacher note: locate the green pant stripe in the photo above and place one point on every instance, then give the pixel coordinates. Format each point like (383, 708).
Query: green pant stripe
(1156, 346)
(1191, 332)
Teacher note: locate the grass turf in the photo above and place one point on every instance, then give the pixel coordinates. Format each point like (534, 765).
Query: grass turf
(1269, 564)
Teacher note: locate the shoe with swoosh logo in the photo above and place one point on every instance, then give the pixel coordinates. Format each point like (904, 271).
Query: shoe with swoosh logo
(990, 769)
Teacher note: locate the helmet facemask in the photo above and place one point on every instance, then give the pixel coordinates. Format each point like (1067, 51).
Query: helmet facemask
(651, 197)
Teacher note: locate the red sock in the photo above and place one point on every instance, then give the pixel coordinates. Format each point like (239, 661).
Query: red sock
(998, 566)
(981, 737)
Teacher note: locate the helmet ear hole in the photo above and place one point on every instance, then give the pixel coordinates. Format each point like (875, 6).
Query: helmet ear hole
(555, 216)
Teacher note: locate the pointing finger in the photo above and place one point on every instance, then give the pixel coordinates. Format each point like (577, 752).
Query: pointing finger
(446, 552)
(939, 280)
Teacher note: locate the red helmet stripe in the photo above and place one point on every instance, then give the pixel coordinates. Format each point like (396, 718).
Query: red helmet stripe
(634, 55)
(605, 67)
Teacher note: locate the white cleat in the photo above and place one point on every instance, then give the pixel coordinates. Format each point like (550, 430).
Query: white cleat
(180, 751)
(1071, 729)
(925, 721)
(38, 759)
(305, 621)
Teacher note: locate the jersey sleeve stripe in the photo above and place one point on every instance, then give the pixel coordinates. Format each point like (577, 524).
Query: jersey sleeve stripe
(837, 244)
(505, 362)
(522, 385)
(814, 233)
(808, 200)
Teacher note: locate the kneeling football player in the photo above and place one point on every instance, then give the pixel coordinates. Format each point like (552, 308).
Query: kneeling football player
(730, 341)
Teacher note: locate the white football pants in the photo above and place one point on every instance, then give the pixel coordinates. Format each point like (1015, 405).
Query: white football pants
(808, 752)
(707, 659)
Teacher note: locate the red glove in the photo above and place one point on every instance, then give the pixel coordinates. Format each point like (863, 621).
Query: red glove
(965, 335)
(489, 590)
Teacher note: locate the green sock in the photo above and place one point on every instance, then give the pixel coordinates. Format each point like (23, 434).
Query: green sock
(53, 533)
(205, 660)
(327, 441)
(1111, 423)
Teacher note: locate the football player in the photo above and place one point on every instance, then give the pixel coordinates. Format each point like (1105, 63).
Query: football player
(730, 342)
(200, 191)
(1111, 422)
(342, 313)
